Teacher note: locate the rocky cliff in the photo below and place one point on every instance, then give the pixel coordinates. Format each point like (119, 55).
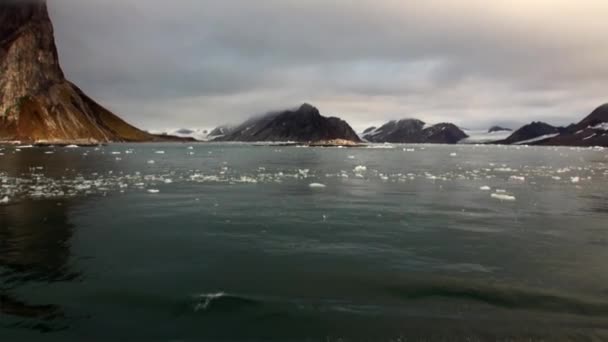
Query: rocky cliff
(37, 103)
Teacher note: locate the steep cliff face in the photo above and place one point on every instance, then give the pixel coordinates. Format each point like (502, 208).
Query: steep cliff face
(37, 103)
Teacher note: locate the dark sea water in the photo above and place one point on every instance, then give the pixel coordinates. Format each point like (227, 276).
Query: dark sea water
(231, 242)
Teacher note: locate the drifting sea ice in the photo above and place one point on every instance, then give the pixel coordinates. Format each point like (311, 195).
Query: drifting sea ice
(485, 188)
(504, 197)
(317, 186)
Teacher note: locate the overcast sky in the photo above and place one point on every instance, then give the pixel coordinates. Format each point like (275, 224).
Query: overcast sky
(200, 63)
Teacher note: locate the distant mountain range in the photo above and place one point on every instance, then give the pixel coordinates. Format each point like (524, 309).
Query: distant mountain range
(306, 124)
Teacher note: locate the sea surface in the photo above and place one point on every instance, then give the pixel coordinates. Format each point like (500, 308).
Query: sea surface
(237, 242)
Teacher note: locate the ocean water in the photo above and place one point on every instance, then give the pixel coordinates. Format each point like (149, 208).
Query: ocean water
(239, 242)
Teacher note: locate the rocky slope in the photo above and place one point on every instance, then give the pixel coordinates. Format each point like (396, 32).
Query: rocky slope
(591, 131)
(304, 124)
(414, 131)
(37, 103)
(530, 133)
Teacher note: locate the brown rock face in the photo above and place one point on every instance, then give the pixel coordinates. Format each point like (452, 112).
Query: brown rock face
(37, 103)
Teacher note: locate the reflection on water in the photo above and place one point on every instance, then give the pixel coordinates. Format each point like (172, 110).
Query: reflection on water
(34, 249)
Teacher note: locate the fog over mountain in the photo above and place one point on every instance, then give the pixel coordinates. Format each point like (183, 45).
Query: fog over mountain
(200, 63)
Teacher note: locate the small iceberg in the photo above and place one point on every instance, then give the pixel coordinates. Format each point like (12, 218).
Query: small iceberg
(360, 169)
(153, 191)
(4, 200)
(485, 188)
(160, 152)
(504, 197)
(72, 146)
(317, 186)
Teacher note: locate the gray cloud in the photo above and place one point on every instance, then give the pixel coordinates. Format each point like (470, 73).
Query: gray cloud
(198, 63)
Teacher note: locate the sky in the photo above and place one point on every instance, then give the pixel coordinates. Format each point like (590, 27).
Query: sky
(202, 63)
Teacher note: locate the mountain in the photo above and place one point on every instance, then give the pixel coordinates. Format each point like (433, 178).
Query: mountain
(37, 103)
(414, 131)
(531, 133)
(494, 129)
(304, 124)
(591, 131)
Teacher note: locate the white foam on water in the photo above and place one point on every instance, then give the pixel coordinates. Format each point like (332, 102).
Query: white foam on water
(151, 162)
(453, 154)
(72, 146)
(160, 152)
(4, 200)
(317, 186)
(153, 191)
(208, 298)
(360, 169)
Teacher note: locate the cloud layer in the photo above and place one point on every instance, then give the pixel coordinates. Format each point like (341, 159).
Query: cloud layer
(199, 63)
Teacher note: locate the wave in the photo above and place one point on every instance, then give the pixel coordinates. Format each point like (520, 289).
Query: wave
(222, 302)
(503, 296)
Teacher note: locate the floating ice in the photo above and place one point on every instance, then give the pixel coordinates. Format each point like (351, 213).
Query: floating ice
(72, 146)
(160, 152)
(485, 188)
(153, 191)
(151, 162)
(4, 200)
(317, 186)
(518, 178)
(575, 179)
(453, 154)
(503, 197)
(360, 169)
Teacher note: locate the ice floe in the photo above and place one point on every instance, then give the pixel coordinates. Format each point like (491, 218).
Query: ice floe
(503, 197)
